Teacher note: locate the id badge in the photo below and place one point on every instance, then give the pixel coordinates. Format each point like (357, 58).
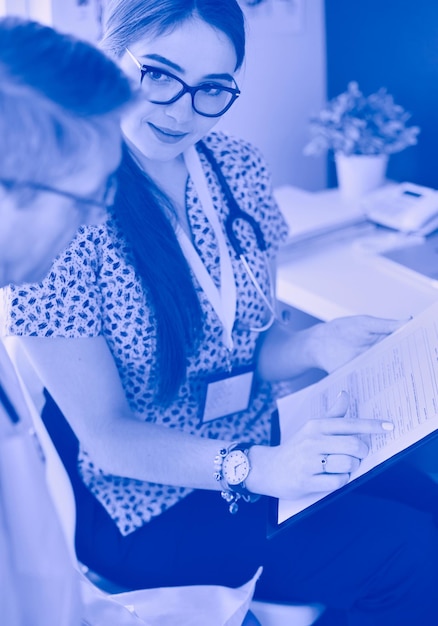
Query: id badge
(230, 393)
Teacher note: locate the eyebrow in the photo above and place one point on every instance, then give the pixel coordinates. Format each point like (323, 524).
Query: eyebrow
(178, 68)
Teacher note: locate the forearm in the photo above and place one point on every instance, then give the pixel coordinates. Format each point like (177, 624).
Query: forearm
(325, 346)
(157, 454)
(81, 377)
(84, 382)
(284, 354)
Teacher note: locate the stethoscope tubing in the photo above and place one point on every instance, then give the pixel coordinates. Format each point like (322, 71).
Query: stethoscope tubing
(235, 212)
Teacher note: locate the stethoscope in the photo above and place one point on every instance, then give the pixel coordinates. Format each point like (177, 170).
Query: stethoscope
(236, 213)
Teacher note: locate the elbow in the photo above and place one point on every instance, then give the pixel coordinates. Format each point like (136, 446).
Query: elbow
(102, 451)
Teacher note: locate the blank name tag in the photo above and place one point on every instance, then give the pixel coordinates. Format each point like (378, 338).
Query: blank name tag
(227, 395)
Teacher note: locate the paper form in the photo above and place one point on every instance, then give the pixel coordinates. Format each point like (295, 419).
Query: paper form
(396, 380)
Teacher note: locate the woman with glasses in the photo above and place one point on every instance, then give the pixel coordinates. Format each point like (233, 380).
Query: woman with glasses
(174, 297)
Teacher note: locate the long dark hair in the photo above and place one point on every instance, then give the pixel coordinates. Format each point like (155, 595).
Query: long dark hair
(143, 211)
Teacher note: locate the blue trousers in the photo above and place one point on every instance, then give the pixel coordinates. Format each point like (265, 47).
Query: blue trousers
(371, 555)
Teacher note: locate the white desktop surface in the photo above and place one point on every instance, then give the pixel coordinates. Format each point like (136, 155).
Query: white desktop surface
(340, 273)
(306, 211)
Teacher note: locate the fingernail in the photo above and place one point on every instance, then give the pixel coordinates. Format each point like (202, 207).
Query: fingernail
(387, 426)
(341, 393)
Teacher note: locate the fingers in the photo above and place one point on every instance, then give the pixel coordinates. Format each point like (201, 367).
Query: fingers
(340, 406)
(382, 326)
(334, 472)
(325, 451)
(328, 482)
(338, 464)
(343, 436)
(347, 445)
(347, 426)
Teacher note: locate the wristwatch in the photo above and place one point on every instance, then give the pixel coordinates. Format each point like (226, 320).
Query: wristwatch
(232, 469)
(236, 467)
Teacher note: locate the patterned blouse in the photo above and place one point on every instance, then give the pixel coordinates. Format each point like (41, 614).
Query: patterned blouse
(93, 289)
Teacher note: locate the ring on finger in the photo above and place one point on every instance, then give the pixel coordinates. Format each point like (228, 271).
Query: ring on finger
(324, 462)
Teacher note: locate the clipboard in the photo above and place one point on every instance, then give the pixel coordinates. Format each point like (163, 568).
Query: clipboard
(410, 400)
(274, 526)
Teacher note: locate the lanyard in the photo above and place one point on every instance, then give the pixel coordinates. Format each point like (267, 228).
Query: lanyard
(223, 300)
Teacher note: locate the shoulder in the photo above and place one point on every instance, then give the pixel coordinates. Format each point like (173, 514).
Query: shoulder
(93, 248)
(250, 182)
(234, 151)
(65, 302)
(241, 162)
(83, 249)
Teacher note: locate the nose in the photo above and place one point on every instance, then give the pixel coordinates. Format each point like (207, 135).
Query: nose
(181, 110)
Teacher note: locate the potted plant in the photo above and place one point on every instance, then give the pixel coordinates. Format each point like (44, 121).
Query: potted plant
(362, 131)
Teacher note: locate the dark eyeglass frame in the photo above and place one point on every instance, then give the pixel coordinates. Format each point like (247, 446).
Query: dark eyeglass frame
(105, 203)
(185, 88)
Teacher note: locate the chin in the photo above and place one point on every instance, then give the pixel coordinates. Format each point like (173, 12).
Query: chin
(155, 150)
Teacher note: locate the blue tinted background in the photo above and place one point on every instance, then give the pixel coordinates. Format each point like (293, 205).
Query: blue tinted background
(393, 44)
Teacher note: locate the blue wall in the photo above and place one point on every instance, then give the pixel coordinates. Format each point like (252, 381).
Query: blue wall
(393, 44)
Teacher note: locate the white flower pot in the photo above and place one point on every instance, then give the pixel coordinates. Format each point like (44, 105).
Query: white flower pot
(360, 173)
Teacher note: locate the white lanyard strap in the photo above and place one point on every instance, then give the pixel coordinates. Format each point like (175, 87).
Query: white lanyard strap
(223, 300)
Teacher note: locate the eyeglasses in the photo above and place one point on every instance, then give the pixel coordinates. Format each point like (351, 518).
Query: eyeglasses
(105, 203)
(209, 99)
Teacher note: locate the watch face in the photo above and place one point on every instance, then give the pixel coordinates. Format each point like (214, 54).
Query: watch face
(235, 467)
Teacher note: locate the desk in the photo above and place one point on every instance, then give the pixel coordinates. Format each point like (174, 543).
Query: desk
(339, 273)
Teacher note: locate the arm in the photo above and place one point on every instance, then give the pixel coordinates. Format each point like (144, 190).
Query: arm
(284, 353)
(83, 379)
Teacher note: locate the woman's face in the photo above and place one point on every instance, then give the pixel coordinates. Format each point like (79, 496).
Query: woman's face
(194, 52)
